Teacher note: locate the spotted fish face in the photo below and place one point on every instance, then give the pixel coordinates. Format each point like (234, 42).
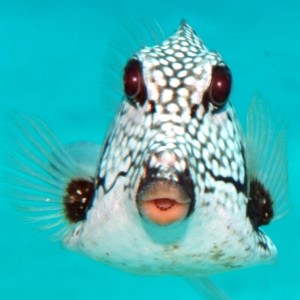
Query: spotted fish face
(171, 188)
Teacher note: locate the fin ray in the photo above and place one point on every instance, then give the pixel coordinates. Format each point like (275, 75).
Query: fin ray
(266, 154)
(206, 287)
(38, 169)
(42, 142)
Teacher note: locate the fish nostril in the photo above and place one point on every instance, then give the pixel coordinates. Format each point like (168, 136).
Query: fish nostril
(194, 109)
(152, 107)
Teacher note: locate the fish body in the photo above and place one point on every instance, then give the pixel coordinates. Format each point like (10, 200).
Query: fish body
(173, 189)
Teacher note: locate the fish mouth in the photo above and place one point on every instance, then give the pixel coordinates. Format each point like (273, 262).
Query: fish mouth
(165, 201)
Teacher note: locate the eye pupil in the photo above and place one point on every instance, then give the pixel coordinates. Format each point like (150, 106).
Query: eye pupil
(134, 85)
(131, 82)
(220, 86)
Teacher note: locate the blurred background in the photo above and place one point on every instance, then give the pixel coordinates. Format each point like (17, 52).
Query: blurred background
(53, 58)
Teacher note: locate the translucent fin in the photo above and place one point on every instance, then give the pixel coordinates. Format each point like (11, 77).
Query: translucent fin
(208, 289)
(85, 154)
(266, 154)
(131, 35)
(38, 168)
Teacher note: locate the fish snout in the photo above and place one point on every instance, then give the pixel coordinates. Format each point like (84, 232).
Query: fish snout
(165, 193)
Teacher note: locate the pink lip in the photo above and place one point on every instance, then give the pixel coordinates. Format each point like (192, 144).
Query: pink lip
(163, 202)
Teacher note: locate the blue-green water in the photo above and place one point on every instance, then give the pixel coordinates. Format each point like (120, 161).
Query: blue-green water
(51, 57)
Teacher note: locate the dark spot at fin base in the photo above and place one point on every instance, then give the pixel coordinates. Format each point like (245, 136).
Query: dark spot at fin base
(78, 199)
(260, 205)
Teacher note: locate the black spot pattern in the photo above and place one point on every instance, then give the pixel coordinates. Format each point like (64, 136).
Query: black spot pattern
(78, 199)
(260, 205)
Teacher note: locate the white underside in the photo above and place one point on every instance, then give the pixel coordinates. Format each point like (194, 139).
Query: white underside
(211, 240)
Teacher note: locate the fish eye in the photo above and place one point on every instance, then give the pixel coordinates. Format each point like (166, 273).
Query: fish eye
(220, 86)
(134, 85)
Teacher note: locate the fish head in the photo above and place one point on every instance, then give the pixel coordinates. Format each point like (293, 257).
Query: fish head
(176, 96)
(171, 186)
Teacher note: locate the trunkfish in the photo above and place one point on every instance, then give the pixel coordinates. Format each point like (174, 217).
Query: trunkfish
(176, 188)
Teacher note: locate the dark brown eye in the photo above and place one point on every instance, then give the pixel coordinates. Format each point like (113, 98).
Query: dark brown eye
(134, 85)
(220, 86)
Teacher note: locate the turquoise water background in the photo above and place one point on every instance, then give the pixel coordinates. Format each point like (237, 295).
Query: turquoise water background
(51, 57)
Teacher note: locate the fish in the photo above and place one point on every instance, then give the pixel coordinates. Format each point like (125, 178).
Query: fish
(177, 188)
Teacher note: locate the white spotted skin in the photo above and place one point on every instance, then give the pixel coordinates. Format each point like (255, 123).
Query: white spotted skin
(217, 236)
